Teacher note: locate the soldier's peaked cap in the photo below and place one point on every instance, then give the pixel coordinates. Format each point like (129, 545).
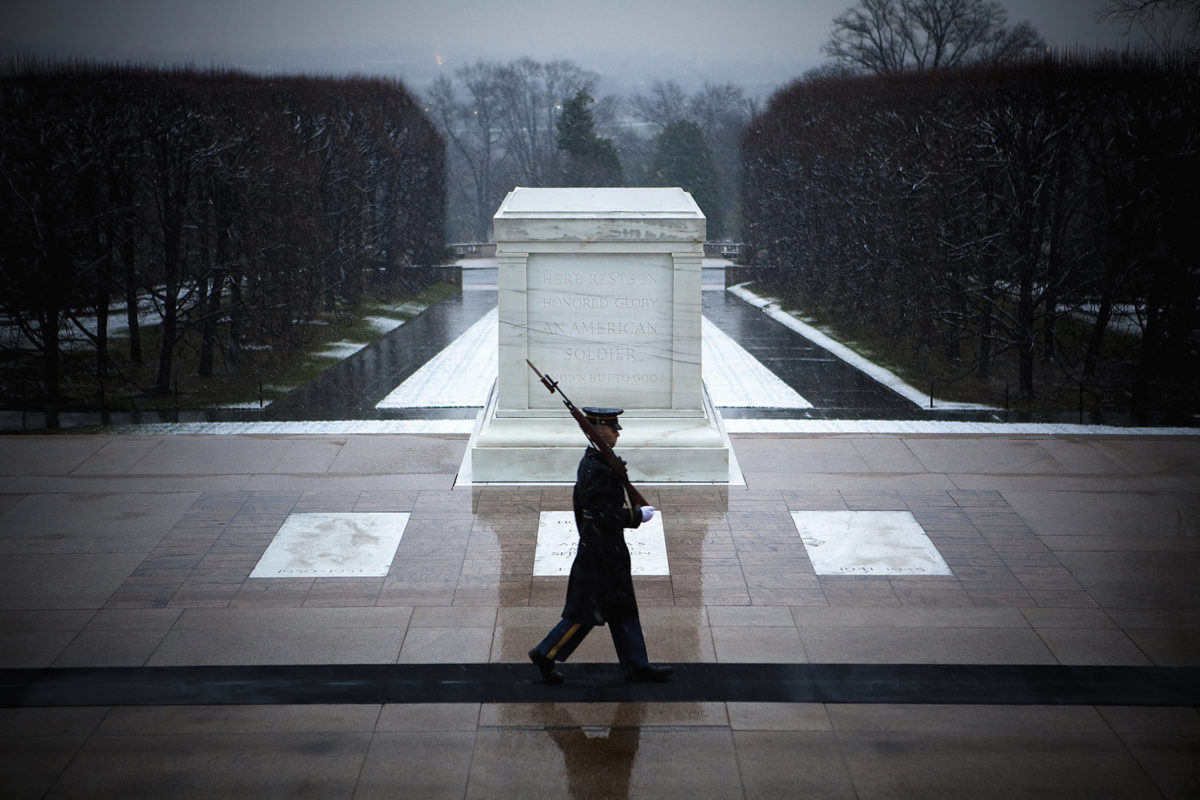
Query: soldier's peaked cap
(604, 416)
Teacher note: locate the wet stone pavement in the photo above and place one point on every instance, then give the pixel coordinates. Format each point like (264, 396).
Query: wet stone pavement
(351, 388)
(835, 388)
(140, 657)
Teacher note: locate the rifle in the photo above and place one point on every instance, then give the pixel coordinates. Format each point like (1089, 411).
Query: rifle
(589, 430)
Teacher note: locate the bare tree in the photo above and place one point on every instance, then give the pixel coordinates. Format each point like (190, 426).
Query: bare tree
(44, 158)
(869, 36)
(178, 153)
(666, 103)
(501, 123)
(1170, 24)
(532, 94)
(472, 127)
(722, 112)
(891, 36)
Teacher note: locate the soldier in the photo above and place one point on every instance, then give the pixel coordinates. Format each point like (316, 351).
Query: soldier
(600, 589)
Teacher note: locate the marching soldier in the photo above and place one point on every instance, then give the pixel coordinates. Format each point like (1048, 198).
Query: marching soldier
(600, 589)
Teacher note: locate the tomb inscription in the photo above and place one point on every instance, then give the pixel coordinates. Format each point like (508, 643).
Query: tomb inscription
(602, 323)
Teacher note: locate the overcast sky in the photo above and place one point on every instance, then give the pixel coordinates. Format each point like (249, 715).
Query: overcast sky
(782, 37)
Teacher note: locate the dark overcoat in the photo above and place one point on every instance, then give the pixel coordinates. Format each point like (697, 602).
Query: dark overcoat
(600, 588)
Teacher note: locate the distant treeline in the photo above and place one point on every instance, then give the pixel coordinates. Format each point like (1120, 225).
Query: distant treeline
(231, 208)
(989, 212)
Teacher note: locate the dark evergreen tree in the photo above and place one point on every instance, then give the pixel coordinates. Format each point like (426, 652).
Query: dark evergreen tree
(682, 158)
(589, 159)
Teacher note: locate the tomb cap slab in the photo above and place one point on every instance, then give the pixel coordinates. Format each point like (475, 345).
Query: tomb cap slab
(603, 202)
(546, 215)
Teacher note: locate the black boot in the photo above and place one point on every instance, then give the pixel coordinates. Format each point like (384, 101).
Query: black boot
(545, 665)
(651, 673)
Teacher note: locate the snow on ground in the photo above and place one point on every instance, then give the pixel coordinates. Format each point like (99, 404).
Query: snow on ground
(340, 350)
(802, 427)
(345, 348)
(74, 336)
(736, 379)
(458, 377)
(382, 325)
(462, 374)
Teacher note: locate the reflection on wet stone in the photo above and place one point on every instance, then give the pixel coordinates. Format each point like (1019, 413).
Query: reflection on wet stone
(599, 759)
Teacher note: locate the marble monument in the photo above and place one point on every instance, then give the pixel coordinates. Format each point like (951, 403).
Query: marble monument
(600, 289)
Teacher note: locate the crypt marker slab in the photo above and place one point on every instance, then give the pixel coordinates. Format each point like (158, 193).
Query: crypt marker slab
(343, 545)
(868, 543)
(558, 539)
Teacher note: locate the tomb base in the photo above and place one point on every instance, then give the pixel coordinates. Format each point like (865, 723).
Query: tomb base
(545, 448)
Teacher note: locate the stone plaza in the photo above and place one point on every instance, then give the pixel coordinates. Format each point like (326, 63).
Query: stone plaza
(138, 551)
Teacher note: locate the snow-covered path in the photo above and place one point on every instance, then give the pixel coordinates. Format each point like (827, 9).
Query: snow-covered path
(462, 374)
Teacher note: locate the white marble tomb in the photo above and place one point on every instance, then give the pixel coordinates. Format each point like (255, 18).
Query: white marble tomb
(600, 288)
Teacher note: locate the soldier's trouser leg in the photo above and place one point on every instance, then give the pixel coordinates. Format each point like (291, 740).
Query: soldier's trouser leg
(563, 639)
(630, 644)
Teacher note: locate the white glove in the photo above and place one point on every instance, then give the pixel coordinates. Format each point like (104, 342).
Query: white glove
(647, 513)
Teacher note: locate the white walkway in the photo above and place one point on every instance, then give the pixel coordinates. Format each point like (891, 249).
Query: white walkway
(462, 375)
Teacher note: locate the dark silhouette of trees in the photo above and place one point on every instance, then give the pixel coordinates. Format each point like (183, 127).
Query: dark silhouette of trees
(531, 96)
(229, 209)
(1005, 218)
(501, 121)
